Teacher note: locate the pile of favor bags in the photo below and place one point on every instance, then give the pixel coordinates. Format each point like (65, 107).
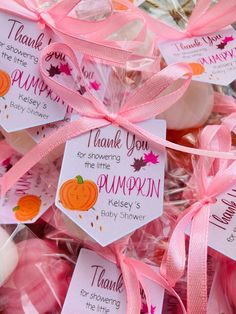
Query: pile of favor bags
(117, 157)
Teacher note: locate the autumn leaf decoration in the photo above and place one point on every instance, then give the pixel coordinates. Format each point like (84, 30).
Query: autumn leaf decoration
(53, 71)
(145, 309)
(56, 70)
(152, 158)
(95, 85)
(138, 164)
(224, 42)
(149, 158)
(64, 68)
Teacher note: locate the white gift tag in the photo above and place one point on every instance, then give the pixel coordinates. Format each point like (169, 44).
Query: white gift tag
(212, 57)
(97, 286)
(30, 197)
(222, 224)
(25, 99)
(40, 132)
(111, 182)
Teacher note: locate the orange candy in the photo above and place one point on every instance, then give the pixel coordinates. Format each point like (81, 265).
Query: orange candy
(197, 68)
(5, 83)
(77, 194)
(27, 208)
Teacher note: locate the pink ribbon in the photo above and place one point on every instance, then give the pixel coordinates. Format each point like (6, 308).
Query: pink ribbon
(212, 177)
(88, 37)
(205, 18)
(224, 103)
(134, 273)
(147, 102)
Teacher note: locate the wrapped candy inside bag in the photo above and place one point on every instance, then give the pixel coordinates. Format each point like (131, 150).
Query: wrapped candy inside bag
(117, 157)
(35, 272)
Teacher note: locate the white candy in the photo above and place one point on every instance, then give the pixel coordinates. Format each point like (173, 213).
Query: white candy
(192, 110)
(8, 256)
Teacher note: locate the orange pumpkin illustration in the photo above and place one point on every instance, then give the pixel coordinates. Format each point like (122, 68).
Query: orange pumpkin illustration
(27, 208)
(5, 83)
(197, 68)
(120, 6)
(78, 194)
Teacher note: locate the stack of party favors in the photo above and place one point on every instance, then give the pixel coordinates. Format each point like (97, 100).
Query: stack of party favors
(117, 157)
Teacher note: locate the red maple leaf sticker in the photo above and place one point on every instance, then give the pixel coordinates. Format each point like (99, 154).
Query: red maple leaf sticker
(227, 39)
(53, 71)
(221, 45)
(152, 158)
(144, 308)
(65, 68)
(138, 164)
(95, 85)
(153, 309)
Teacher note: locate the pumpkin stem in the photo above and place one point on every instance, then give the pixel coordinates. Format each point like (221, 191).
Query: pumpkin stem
(16, 208)
(80, 180)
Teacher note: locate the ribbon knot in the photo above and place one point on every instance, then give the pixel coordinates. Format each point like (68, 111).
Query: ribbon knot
(111, 117)
(41, 21)
(212, 178)
(208, 200)
(188, 34)
(36, 10)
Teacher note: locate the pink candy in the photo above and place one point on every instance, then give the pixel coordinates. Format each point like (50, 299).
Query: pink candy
(40, 281)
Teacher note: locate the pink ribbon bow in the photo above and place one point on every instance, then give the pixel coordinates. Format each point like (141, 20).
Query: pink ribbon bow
(89, 37)
(149, 100)
(205, 18)
(212, 177)
(134, 273)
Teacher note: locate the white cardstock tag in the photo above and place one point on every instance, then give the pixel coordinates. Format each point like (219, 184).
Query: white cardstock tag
(25, 99)
(111, 182)
(40, 132)
(222, 224)
(30, 197)
(97, 287)
(212, 57)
